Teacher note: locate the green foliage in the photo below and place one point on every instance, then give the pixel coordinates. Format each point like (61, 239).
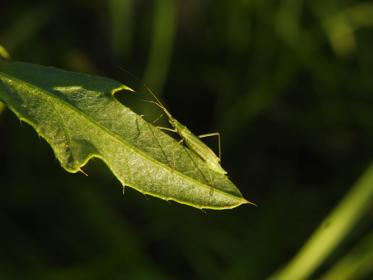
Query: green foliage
(79, 117)
(288, 84)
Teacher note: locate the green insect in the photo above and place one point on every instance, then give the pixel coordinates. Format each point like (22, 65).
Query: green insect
(192, 141)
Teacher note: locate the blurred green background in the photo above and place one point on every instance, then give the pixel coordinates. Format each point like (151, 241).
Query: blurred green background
(288, 84)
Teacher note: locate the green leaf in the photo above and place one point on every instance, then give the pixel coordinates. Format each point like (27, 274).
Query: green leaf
(79, 117)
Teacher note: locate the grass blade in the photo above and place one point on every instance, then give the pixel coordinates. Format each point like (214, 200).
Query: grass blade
(355, 265)
(331, 231)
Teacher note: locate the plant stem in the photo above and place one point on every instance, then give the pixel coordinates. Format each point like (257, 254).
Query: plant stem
(162, 43)
(2, 107)
(4, 54)
(356, 264)
(331, 231)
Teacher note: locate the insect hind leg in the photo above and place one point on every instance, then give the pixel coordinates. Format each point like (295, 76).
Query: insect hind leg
(166, 129)
(211, 135)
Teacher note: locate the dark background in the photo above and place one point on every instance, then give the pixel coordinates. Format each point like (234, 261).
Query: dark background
(288, 84)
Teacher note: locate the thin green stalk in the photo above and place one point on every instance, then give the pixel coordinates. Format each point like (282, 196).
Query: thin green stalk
(121, 20)
(355, 265)
(331, 231)
(4, 53)
(2, 107)
(162, 42)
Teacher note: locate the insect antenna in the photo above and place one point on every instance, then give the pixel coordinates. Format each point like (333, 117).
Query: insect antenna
(157, 101)
(155, 97)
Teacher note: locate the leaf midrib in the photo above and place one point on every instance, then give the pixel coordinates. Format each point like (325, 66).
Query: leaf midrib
(116, 136)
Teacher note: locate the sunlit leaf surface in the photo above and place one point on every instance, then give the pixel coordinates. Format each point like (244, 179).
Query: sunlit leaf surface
(79, 117)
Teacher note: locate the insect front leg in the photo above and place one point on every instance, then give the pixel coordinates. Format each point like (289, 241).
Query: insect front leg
(157, 119)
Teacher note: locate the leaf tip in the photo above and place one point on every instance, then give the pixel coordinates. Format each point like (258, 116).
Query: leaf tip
(121, 88)
(245, 201)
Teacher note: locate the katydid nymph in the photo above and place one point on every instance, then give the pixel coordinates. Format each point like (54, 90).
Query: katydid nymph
(193, 142)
